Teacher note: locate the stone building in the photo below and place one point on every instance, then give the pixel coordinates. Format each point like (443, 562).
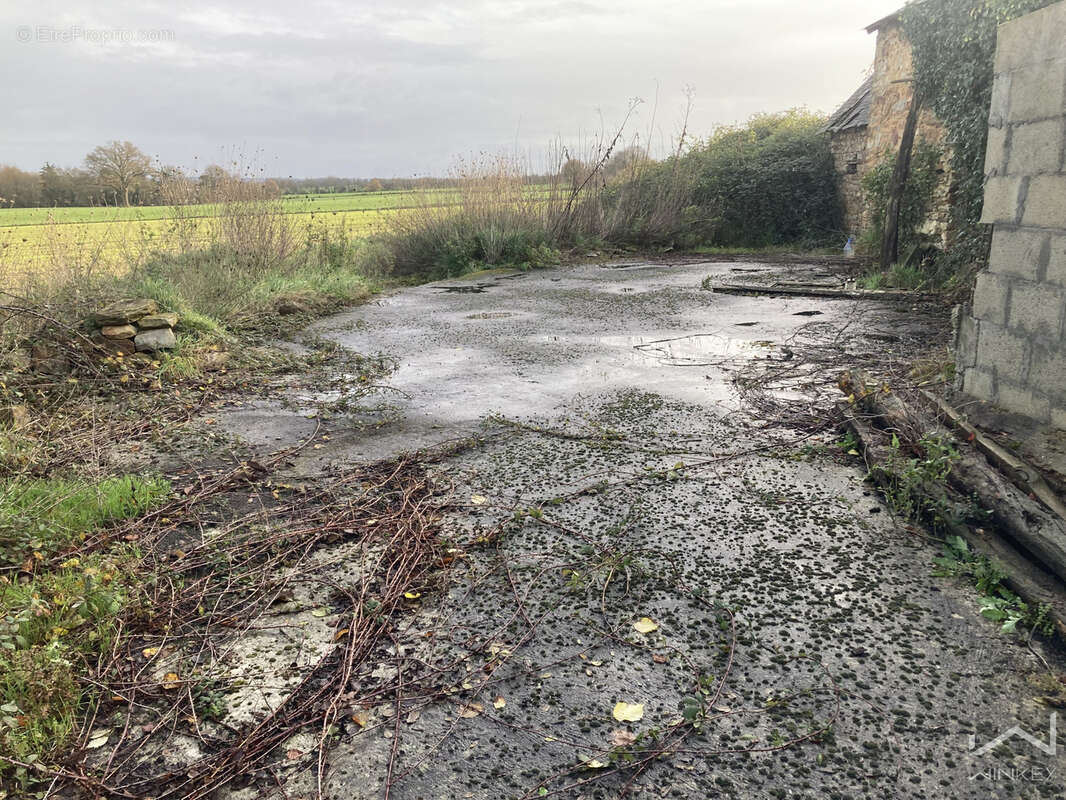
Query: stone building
(868, 127)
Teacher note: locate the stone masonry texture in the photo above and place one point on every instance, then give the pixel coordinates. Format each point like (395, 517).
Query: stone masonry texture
(1011, 348)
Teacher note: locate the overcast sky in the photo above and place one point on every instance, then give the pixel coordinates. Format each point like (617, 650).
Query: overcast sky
(403, 87)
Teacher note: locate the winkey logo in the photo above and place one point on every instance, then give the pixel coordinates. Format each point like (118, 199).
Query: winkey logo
(1050, 748)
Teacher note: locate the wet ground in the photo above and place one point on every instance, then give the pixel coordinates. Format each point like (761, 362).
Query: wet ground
(628, 529)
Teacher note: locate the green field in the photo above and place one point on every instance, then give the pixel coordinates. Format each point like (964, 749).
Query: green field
(293, 204)
(34, 241)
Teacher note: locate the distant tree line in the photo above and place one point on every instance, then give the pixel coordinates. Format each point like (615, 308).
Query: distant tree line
(120, 174)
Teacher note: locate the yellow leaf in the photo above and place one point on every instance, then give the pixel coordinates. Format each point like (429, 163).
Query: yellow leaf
(594, 763)
(340, 634)
(645, 625)
(499, 702)
(468, 710)
(171, 681)
(628, 712)
(479, 499)
(360, 718)
(412, 595)
(148, 652)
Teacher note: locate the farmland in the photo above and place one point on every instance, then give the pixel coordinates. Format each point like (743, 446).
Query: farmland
(112, 238)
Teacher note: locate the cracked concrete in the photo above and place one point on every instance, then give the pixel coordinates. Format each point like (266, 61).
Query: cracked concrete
(621, 476)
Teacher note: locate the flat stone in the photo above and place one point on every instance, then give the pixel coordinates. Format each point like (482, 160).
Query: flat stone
(114, 346)
(164, 319)
(118, 331)
(156, 339)
(123, 312)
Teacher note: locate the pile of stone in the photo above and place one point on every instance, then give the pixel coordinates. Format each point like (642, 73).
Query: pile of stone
(130, 326)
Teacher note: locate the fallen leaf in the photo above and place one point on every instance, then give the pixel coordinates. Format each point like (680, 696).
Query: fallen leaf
(340, 634)
(171, 681)
(469, 710)
(594, 763)
(658, 659)
(479, 499)
(412, 595)
(628, 712)
(292, 754)
(499, 702)
(645, 625)
(98, 739)
(360, 718)
(620, 737)
(320, 612)
(148, 652)
(412, 718)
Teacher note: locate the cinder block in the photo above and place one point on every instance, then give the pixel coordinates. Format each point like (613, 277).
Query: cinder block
(996, 152)
(1056, 265)
(1022, 400)
(1037, 92)
(1002, 195)
(1045, 205)
(1035, 147)
(1018, 252)
(1036, 309)
(1032, 37)
(1003, 351)
(990, 298)
(979, 383)
(1048, 372)
(966, 342)
(997, 113)
(1013, 45)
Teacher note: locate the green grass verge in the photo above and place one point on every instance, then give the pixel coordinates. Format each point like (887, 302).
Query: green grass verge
(55, 621)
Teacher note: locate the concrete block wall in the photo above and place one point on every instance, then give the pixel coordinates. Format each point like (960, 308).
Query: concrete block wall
(1011, 349)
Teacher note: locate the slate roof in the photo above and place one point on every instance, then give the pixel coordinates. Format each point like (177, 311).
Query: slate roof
(855, 112)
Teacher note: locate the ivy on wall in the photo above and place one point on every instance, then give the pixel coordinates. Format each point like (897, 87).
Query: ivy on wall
(954, 46)
(925, 174)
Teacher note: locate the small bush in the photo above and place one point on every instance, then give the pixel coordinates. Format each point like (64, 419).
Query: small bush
(769, 182)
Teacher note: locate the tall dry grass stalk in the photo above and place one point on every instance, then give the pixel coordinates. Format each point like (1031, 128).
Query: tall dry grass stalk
(505, 213)
(247, 218)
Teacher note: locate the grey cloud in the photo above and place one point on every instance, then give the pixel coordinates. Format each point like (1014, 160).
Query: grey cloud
(397, 88)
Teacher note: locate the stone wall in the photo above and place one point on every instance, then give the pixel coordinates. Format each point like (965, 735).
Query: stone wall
(866, 147)
(891, 95)
(1011, 348)
(849, 155)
